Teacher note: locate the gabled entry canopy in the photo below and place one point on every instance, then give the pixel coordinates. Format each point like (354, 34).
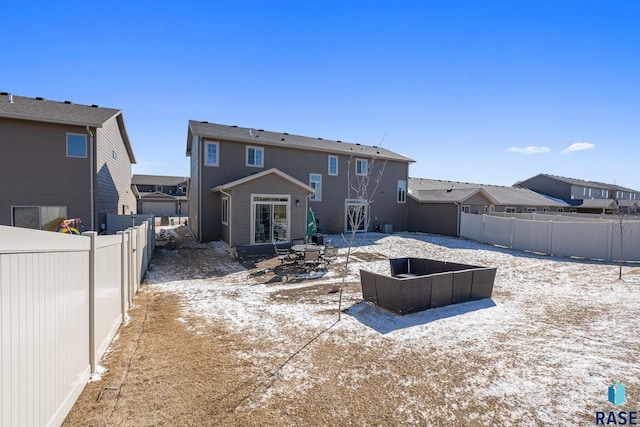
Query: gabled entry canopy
(260, 175)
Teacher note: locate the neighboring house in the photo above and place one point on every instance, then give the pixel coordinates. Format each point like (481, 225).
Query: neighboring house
(62, 160)
(434, 206)
(161, 195)
(584, 196)
(250, 186)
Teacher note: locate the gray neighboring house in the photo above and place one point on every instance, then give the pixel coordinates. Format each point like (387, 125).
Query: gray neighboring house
(60, 159)
(584, 196)
(161, 195)
(249, 186)
(435, 206)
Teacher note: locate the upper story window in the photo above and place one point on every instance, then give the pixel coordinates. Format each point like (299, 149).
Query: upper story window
(211, 154)
(159, 188)
(361, 166)
(315, 182)
(402, 191)
(255, 156)
(76, 145)
(333, 165)
(466, 208)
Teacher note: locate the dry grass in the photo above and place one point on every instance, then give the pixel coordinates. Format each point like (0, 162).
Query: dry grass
(167, 369)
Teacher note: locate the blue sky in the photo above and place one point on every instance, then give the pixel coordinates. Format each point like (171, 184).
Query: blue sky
(477, 91)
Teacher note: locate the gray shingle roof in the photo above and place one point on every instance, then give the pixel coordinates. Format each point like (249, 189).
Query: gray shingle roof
(39, 109)
(157, 180)
(443, 195)
(582, 183)
(504, 196)
(283, 139)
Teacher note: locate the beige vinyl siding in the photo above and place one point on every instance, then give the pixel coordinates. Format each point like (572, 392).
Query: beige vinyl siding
(242, 213)
(195, 192)
(299, 164)
(35, 169)
(113, 180)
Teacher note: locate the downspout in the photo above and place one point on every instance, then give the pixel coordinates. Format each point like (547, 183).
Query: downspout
(91, 189)
(229, 223)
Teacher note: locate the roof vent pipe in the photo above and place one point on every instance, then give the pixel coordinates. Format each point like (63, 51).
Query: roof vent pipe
(10, 99)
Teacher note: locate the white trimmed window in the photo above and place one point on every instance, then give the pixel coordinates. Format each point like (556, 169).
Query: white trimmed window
(510, 210)
(466, 208)
(225, 210)
(255, 156)
(333, 165)
(531, 209)
(361, 166)
(211, 154)
(76, 145)
(402, 191)
(315, 182)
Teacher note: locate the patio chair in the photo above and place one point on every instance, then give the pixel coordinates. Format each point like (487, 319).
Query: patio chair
(283, 254)
(312, 258)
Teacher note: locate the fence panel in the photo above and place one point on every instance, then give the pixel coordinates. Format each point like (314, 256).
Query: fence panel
(497, 231)
(532, 235)
(44, 330)
(471, 226)
(598, 239)
(630, 241)
(107, 292)
(585, 240)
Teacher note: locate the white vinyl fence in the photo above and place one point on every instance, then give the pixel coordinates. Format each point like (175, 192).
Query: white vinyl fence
(593, 240)
(62, 299)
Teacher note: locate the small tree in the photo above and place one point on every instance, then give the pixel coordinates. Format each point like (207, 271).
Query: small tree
(361, 188)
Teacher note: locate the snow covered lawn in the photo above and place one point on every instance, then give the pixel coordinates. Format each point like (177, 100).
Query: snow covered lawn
(542, 351)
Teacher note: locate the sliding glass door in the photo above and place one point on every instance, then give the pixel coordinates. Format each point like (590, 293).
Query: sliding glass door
(270, 219)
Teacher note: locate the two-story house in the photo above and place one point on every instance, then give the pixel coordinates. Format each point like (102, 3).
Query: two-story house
(584, 196)
(161, 195)
(62, 160)
(250, 186)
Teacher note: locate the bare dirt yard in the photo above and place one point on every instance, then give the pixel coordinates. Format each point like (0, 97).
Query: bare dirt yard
(212, 341)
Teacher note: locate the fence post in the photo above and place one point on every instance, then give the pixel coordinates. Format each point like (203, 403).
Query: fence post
(610, 236)
(484, 218)
(550, 238)
(92, 299)
(130, 265)
(512, 232)
(124, 291)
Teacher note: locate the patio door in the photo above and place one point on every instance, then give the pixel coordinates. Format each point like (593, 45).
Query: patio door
(270, 219)
(356, 215)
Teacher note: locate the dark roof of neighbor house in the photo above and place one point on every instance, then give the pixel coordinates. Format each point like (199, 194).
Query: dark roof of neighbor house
(597, 203)
(283, 139)
(43, 110)
(502, 195)
(455, 195)
(579, 183)
(158, 196)
(158, 180)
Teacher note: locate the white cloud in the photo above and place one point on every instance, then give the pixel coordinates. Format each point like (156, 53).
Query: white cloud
(528, 150)
(579, 146)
